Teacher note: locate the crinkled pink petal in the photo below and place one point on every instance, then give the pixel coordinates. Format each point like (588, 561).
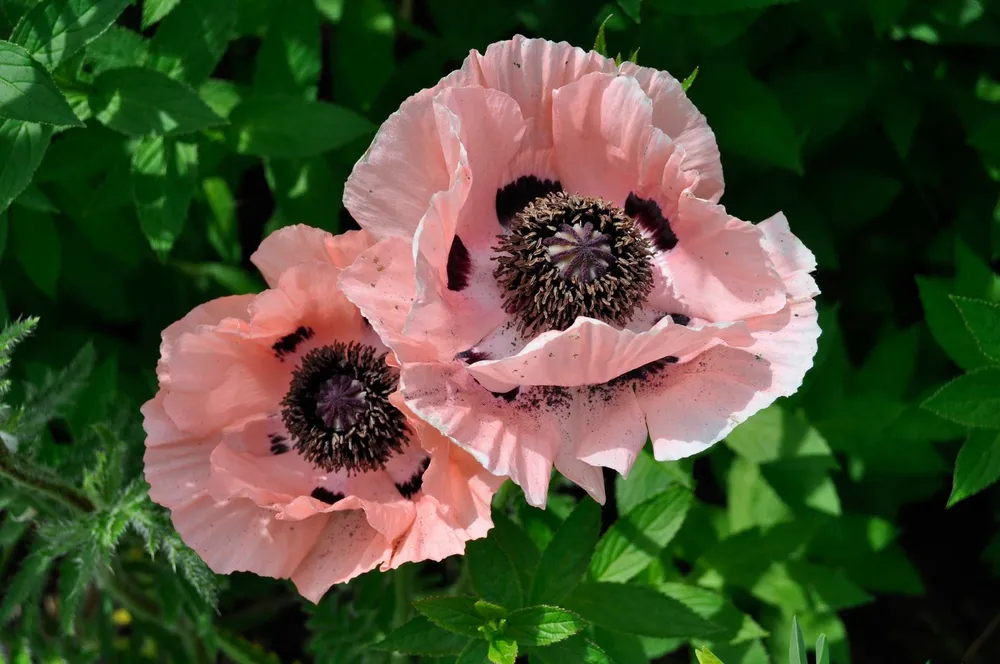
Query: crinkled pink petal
(431, 537)
(792, 260)
(219, 379)
(293, 245)
(210, 314)
(788, 341)
(237, 535)
(693, 405)
(387, 511)
(528, 70)
(590, 352)
(587, 477)
(518, 442)
(610, 428)
(346, 548)
(677, 117)
(719, 268)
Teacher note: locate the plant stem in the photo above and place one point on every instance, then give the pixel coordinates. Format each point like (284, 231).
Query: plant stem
(402, 585)
(19, 471)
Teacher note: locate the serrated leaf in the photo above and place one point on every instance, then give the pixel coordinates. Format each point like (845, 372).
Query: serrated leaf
(574, 650)
(191, 40)
(56, 29)
(601, 42)
(164, 177)
(493, 574)
(117, 48)
(637, 610)
(22, 147)
(422, 637)
(542, 625)
(288, 126)
(75, 573)
(971, 400)
(648, 477)
(946, 324)
(522, 552)
(982, 318)
(153, 11)
(26, 584)
(143, 102)
(489, 610)
(565, 559)
(689, 81)
(457, 614)
(27, 91)
(37, 247)
(502, 651)
(639, 536)
(797, 645)
(475, 652)
(977, 466)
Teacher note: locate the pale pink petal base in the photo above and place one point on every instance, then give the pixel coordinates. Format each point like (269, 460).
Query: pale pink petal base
(346, 547)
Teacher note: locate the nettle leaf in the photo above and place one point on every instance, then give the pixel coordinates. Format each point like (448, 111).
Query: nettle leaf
(946, 324)
(712, 6)
(639, 536)
(37, 247)
(192, 39)
(637, 610)
(27, 91)
(502, 651)
(457, 614)
(574, 650)
(164, 178)
(568, 554)
(289, 59)
(542, 625)
(29, 581)
(971, 400)
(22, 146)
(143, 102)
(56, 29)
(983, 320)
(289, 126)
(977, 466)
(154, 11)
(493, 574)
(422, 637)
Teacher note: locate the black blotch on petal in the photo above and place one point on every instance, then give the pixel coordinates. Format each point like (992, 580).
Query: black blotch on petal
(459, 266)
(680, 319)
(516, 196)
(650, 218)
(471, 356)
(287, 344)
(410, 487)
(507, 396)
(327, 496)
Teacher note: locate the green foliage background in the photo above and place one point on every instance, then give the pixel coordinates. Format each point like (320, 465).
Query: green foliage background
(147, 147)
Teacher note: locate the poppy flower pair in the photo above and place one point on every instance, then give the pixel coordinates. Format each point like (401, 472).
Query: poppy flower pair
(544, 279)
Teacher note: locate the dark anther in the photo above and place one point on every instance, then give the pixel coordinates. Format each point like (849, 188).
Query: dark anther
(327, 496)
(648, 215)
(278, 444)
(471, 356)
(338, 412)
(411, 486)
(517, 195)
(680, 319)
(287, 344)
(459, 265)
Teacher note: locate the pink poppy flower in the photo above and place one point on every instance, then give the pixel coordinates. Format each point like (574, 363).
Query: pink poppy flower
(280, 443)
(555, 273)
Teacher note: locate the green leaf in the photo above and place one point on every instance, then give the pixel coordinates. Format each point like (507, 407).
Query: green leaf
(982, 318)
(947, 326)
(632, 9)
(637, 610)
(192, 39)
(56, 29)
(288, 126)
(143, 102)
(493, 574)
(747, 117)
(977, 466)
(517, 545)
(735, 627)
(601, 43)
(22, 146)
(117, 48)
(689, 81)
(475, 652)
(713, 6)
(223, 233)
(639, 536)
(421, 637)
(366, 26)
(542, 625)
(706, 657)
(289, 58)
(822, 654)
(502, 651)
(75, 574)
(27, 91)
(797, 645)
(457, 614)
(574, 650)
(971, 400)
(647, 478)
(153, 11)
(37, 247)
(27, 583)
(164, 177)
(566, 557)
